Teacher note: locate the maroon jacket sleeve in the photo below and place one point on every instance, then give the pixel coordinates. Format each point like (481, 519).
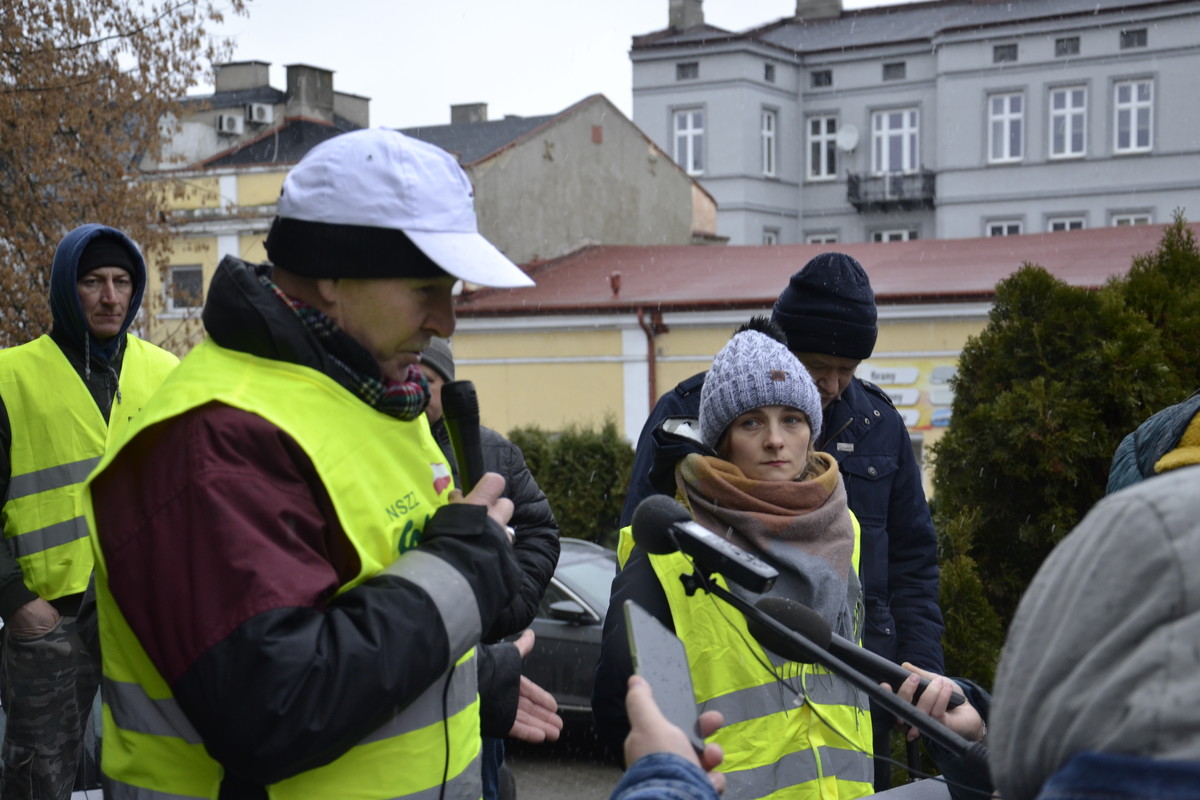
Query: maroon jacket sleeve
(224, 556)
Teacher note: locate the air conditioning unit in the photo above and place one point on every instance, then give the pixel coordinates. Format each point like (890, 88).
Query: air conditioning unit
(260, 113)
(231, 123)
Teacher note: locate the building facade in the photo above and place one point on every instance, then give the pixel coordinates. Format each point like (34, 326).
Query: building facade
(945, 119)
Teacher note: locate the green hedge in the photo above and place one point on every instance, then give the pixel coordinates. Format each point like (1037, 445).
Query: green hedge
(585, 475)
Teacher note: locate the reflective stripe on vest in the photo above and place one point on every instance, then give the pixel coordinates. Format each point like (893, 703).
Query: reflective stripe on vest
(58, 436)
(385, 478)
(776, 746)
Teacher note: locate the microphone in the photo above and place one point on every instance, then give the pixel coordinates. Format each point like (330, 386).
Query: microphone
(661, 525)
(812, 626)
(460, 410)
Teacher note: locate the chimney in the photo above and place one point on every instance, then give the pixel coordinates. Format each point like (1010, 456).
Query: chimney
(242, 75)
(309, 92)
(466, 113)
(818, 9)
(686, 14)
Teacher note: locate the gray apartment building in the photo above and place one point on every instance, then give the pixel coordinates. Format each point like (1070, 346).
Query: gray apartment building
(946, 119)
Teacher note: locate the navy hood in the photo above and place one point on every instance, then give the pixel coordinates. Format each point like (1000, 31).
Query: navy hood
(64, 296)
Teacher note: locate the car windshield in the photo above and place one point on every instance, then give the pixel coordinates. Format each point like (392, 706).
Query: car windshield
(591, 577)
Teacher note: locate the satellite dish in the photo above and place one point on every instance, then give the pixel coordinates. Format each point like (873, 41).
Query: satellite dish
(847, 138)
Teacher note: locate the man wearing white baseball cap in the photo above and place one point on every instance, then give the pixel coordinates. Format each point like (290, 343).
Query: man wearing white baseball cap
(290, 593)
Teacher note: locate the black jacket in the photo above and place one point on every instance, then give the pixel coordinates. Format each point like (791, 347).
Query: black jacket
(535, 541)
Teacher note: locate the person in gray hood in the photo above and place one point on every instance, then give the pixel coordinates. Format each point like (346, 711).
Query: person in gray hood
(1096, 690)
(63, 398)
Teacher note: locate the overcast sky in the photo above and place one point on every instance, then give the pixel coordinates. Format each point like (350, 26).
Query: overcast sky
(416, 58)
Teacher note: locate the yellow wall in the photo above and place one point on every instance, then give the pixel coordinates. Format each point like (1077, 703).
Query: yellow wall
(260, 189)
(551, 394)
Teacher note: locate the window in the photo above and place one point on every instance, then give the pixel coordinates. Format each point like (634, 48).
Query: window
(822, 148)
(1006, 127)
(894, 71)
(1068, 122)
(894, 236)
(1005, 227)
(185, 288)
(769, 73)
(1132, 104)
(769, 119)
(687, 71)
(1065, 224)
(1002, 53)
(820, 78)
(770, 236)
(894, 141)
(1134, 38)
(1066, 46)
(821, 238)
(689, 140)
(1120, 220)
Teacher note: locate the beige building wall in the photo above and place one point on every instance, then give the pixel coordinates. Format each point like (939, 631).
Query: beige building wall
(590, 177)
(556, 371)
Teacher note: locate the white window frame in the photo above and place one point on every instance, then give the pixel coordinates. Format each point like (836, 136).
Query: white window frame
(769, 128)
(1065, 223)
(822, 147)
(821, 238)
(894, 235)
(1132, 218)
(689, 139)
(1004, 227)
(1006, 127)
(770, 236)
(900, 127)
(1071, 118)
(1131, 113)
(169, 295)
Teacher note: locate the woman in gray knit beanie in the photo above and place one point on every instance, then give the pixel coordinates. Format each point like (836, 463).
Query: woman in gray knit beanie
(765, 488)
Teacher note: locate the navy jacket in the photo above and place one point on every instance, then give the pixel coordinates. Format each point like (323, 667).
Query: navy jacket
(867, 436)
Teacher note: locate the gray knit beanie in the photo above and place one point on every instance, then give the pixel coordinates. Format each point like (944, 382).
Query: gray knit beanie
(438, 355)
(754, 370)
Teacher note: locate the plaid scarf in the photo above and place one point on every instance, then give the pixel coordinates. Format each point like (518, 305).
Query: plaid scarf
(404, 399)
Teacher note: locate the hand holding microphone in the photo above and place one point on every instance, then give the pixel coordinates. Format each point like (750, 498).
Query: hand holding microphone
(460, 413)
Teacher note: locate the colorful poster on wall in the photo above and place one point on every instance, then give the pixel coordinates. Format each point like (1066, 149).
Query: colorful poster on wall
(919, 387)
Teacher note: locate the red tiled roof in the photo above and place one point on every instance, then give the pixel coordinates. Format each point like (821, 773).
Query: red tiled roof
(680, 278)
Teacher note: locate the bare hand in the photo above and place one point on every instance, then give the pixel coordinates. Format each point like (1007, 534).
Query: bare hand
(537, 720)
(963, 720)
(35, 618)
(651, 732)
(487, 493)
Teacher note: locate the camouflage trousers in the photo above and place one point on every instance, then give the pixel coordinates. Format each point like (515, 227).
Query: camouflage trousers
(47, 685)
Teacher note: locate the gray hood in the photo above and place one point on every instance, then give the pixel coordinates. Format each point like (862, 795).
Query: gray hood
(1104, 652)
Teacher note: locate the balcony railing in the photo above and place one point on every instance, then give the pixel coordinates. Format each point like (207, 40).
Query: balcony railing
(894, 191)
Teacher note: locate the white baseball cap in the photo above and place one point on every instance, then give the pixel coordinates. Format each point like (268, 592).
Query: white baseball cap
(375, 203)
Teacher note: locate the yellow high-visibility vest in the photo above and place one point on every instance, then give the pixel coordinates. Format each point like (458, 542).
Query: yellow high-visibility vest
(385, 478)
(776, 745)
(58, 437)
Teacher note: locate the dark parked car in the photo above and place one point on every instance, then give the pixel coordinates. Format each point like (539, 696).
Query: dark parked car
(569, 624)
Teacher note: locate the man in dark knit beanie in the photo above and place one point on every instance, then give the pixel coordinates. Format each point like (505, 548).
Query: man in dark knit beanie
(63, 397)
(828, 312)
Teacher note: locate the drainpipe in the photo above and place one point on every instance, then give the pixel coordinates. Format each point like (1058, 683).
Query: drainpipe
(651, 365)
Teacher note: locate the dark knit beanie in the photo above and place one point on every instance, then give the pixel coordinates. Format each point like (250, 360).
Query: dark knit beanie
(103, 251)
(828, 307)
(438, 355)
(332, 250)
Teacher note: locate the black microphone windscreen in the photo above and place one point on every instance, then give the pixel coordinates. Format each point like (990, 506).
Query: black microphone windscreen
(459, 400)
(652, 521)
(799, 618)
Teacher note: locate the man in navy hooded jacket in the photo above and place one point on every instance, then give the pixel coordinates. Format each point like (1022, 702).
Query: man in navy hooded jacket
(64, 396)
(828, 313)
